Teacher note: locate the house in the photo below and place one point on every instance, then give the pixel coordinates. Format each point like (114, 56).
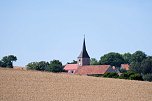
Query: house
(125, 66)
(83, 66)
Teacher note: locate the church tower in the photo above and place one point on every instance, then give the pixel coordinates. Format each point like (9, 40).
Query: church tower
(83, 58)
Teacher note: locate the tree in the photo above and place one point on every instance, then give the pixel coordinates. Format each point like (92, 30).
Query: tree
(146, 65)
(111, 75)
(1, 64)
(127, 58)
(112, 58)
(147, 77)
(138, 56)
(41, 66)
(7, 61)
(55, 66)
(94, 61)
(131, 76)
(73, 62)
(136, 61)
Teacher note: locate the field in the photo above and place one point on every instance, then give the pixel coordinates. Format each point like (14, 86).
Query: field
(22, 85)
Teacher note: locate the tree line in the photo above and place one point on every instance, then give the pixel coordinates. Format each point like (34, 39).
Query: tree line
(140, 64)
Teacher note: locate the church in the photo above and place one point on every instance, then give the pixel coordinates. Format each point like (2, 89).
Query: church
(83, 66)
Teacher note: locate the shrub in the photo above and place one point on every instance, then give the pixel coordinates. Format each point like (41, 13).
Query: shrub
(147, 77)
(95, 75)
(135, 76)
(131, 76)
(111, 75)
(123, 71)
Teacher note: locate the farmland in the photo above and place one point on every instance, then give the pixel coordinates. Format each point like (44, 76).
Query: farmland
(22, 85)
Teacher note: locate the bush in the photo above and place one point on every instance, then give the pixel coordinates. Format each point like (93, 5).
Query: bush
(147, 77)
(123, 71)
(131, 76)
(95, 75)
(111, 75)
(136, 76)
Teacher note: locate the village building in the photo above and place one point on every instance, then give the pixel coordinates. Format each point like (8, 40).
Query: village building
(125, 66)
(83, 66)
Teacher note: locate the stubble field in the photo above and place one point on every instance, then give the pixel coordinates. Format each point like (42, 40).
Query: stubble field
(22, 85)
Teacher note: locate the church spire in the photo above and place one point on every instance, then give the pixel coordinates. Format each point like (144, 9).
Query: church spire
(83, 58)
(84, 53)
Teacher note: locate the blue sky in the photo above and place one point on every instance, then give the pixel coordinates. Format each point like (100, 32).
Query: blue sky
(36, 30)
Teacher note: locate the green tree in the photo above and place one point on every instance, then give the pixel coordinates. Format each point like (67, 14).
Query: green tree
(112, 58)
(73, 62)
(41, 66)
(147, 77)
(55, 66)
(146, 65)
(127, 58)
(7, 61)
(111, 75)
(136, 61)
(131, 76)
(1, 64)
(94, 61)
(138, 56)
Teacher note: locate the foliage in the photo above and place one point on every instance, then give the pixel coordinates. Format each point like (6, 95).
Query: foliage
(112, 58)
(73, 62)
(122, 70)
(41, 66)
(95, 75)
(135, 76)
(146, 65)
(7, 61)
(138, 56)
(127, 58)
(53, 66)
(111, 75)
(94, 61)
(136, 61)
(147, 77)
(131, 76)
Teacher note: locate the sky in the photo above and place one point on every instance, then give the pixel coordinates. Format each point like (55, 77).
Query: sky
(43, 30)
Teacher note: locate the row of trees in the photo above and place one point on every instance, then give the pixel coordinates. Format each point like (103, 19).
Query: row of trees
(52, 66)
(113, 59)
(139, 63)
(7, 61)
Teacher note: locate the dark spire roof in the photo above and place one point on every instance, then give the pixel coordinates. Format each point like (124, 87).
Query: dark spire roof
(84, 53)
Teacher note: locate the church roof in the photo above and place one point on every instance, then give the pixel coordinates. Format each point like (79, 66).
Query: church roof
(92, 69)
(84, 53)
(71, 67)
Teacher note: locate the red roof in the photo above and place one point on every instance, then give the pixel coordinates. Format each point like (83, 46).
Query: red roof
(92, 69)
(71, 67)
(125, 66)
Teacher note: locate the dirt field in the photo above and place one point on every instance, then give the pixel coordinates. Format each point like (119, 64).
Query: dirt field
(21, 85)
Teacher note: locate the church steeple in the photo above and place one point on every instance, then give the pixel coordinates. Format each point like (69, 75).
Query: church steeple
(83, 58)
(84, 53)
